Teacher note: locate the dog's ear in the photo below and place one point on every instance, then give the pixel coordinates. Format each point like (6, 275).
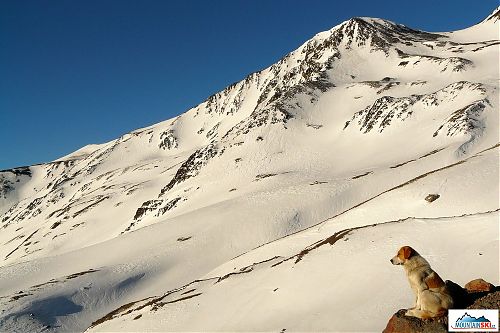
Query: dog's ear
(407, 252)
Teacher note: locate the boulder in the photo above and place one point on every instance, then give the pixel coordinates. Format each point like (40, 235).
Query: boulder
(479, 285)
(399, 323)
(431, 197)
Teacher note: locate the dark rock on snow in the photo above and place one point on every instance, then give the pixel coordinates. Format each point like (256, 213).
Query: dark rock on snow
(432, 197)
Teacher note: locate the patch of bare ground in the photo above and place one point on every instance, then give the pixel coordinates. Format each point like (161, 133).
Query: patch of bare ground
(188, 291)
(24, 241)
(401, 164)
(317, 182)
(19, 295)
(418, 158)
(161, 304)
(75, 275)
(362, 175)
(113, 314)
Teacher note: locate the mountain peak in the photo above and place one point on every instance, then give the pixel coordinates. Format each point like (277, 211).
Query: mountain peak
(379, 34)
(494, 16)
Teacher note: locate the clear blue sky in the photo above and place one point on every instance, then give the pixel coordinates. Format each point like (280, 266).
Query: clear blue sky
(80, 72)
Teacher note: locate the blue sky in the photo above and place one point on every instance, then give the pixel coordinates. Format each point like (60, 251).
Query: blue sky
(80, 72)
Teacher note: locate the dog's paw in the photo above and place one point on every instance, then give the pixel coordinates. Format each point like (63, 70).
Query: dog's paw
(410, 313)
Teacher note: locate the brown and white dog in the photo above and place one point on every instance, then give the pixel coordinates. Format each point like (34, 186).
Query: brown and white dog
(432, 296)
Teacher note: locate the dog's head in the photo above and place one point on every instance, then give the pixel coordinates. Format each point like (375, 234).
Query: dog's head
(404, 253)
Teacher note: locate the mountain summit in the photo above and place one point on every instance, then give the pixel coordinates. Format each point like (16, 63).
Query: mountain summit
(494, 16)
(274, 204)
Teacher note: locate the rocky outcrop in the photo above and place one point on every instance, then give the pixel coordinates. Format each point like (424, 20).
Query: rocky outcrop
(191, 167)
(465, 120)
(490, 301)
(399, 323)
(477, 294)
(388, 109)
(479, 285)
(168, 140)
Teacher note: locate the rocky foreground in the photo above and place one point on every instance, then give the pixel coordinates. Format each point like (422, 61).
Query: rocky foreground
(476, 294)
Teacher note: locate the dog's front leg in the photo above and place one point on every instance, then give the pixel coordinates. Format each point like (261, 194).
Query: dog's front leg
(411, 312)
(416, 305)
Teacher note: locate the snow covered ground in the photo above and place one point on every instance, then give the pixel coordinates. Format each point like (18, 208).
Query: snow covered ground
(275, 204)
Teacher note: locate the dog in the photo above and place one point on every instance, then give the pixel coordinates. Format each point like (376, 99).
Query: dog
(432, 298)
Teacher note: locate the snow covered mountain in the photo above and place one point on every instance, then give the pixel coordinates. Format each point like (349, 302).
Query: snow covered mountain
(276, 203)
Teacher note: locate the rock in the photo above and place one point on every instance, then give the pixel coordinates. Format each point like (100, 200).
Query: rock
(479, 285)
(490, 301)
(399, 323)
(461, 298)
(432, 197)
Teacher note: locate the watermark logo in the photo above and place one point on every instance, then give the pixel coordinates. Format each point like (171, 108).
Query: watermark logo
(473, 320)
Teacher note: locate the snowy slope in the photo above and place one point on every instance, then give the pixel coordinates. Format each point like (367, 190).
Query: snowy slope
(161, 228)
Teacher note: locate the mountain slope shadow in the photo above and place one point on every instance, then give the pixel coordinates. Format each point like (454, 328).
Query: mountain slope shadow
(48, 310)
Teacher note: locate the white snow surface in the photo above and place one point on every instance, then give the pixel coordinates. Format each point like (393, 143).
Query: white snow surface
(274, 204)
